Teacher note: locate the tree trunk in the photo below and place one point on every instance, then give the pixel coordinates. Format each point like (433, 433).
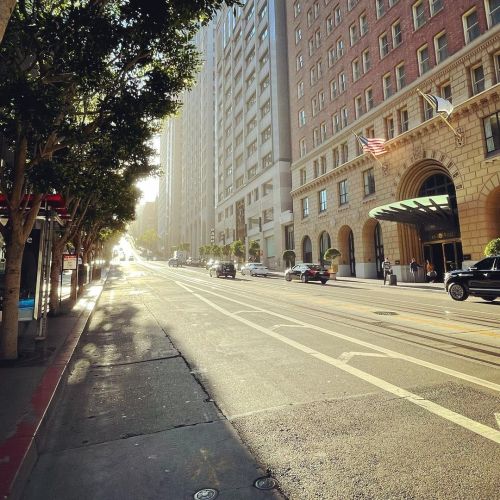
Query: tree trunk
(10, 306)
(55, 275)
(6, 8)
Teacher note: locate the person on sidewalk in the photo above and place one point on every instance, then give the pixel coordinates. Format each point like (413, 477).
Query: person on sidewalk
(386, 267)
(430, 272)
(414, 267)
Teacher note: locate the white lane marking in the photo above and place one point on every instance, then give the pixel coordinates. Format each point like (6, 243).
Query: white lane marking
(388, 352)
(441, 411)
(345, 357)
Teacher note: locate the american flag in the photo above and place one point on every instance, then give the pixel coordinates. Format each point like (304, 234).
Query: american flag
(372, 145)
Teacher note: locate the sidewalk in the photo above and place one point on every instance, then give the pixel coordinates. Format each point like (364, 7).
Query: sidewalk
(28, 386)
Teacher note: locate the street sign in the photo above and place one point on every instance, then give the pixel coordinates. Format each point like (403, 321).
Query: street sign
(69, 262)
(212, 236)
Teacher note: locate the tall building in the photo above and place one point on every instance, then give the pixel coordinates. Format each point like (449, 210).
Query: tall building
(253, 179)
(361, 67)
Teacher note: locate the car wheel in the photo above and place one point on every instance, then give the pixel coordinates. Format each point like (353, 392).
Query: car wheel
(323, 282)
(458, 292)
(304, 278)
(288, 277)
(489, 299)
(234, 276)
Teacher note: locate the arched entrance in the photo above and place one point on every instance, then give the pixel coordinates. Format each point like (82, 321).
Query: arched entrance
(347, 266)
(352, 257)
(324, 244)
(379, 249)
(307, 255)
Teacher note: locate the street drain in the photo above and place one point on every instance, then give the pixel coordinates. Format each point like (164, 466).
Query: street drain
(386, 313)
(206, 494)
(265, 483)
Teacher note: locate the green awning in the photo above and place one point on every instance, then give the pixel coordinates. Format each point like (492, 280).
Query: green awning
(424, 210)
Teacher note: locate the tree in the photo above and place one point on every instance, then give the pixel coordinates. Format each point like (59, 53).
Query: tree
(238, 249)
(331, 254)
(70, 72)
(226, 250)
(289, 257)
(185, 247)
(254, 250)
(493, 247)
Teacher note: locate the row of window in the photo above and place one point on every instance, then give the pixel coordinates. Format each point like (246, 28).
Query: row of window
(368, 177)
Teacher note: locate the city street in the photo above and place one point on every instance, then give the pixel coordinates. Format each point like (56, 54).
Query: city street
(349, 390)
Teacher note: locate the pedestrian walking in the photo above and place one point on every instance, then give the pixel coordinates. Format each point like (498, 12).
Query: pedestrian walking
(430, 272)
(386, 267)
(414, 267)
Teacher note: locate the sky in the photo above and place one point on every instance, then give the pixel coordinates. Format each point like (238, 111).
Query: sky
(149, 186)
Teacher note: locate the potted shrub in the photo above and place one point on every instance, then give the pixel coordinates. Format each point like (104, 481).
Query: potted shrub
(289, 258)
(331, 255)
(492, 248)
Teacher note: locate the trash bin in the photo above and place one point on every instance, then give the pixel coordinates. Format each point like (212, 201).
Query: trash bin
(83, 274)
(393, 280)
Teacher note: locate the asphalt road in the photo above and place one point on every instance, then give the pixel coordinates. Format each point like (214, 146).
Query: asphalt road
(344, 391)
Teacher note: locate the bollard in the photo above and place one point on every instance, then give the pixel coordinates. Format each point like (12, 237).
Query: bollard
(393, 280)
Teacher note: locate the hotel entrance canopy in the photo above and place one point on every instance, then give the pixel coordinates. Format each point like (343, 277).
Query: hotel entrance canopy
(427, 210)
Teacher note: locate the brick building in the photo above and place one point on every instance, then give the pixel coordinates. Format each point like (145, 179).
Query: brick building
(358, 67)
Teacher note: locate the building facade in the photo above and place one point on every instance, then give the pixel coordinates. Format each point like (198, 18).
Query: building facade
(361, 68)
(253, 179)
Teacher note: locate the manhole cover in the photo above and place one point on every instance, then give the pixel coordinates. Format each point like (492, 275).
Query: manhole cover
(206, 494)
(386, 313)
(265, 483)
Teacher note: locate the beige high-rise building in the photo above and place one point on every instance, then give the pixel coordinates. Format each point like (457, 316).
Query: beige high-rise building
(359, 68)
(252, 129)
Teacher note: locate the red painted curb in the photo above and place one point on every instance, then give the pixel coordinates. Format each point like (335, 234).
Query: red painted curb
(15, 451)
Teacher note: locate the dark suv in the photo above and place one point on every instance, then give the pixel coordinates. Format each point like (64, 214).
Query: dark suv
(480, 280)
(307, 272)
(223, 269)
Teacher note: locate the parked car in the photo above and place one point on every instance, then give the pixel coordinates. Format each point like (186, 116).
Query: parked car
(255, 269)
(223, 269)
(480, 280)
(307, 272)
(173, 262)
(193, 262)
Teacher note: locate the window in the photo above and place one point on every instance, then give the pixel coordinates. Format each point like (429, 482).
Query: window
(300, 62)
(492, 133)
(252, 148)
(316, 10)
(310, 44)
(296, 9)
(263, 60)
(380, 8)
(250, 79)
(363, 24)
(322, 162)
(268, 215)
(300, 89)
(329, 25)
(471, 25)
(356, 71)
(336, 157)
(403, 120)
(342, 82)
(445, 91)
(366, 61)
(312, 75)
(331, 56)
(319, 69)
(435, 6)
(353, 33)
(344, 152)
(333, 89)
(340, 48)
(251, 124)
(357, 143)
(383, 43)
(496, 61)
(298, 35)
(309, 17)
(344, 117)
(239, 182)
(303, 176)
(302, 118)
(441, 47)
(493, 12)
(397, 35)
(418, 14)
(264, 110)
(322, 200)
(337, 15)
(316, 137)
(302, 147)
(315, 168)
(336, 123)
(428, 110)
(263, 35)
(369, 98)
(267, 161)
(387, 85)
(323, 131)
(321, 100)
(389, 127)
(400, 76)
(252, 171)
(263, 12)
(305, 207)
(250, 35)
(369, 181)
(251, 101)
(314, 105)
(266, 134)
(423, 60)
(317, 38)
(477, 79)
(343, 193)
(264, 84)
(358, 106)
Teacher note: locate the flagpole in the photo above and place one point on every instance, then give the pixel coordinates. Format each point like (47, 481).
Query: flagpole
(458, 134)
(362, 148)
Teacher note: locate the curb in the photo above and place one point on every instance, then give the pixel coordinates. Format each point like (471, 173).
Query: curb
(19, 453)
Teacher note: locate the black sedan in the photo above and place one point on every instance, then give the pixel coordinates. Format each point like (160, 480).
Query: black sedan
(480, 280)
(307, 272)
(223, 269)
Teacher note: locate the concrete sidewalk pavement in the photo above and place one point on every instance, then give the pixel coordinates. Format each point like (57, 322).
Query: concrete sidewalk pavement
(29, 385)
